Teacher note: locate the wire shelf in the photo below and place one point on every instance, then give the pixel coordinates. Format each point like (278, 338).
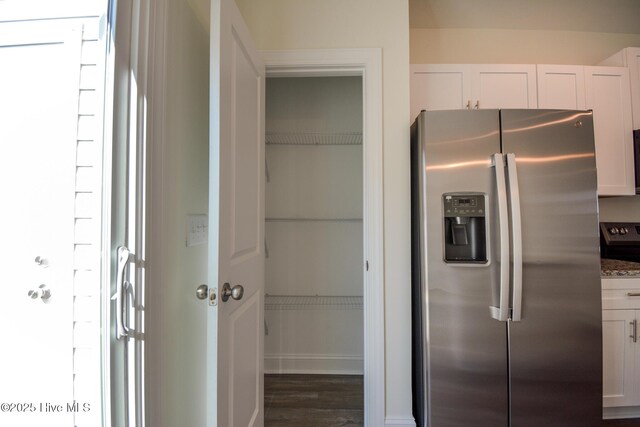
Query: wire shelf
(312, 302)
(313, 138)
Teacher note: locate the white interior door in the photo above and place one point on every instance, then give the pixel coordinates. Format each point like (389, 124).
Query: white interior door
(236, 223)
(39, 80)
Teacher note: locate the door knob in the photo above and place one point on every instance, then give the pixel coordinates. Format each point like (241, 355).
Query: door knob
(202, 291)
(41, 261)
(236, 292)
(42, 292)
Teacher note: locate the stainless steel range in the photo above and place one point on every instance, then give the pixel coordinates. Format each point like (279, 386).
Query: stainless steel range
(620, 240)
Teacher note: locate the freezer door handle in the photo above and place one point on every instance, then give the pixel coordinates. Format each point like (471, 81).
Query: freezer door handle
(516, 237)
(502, 311)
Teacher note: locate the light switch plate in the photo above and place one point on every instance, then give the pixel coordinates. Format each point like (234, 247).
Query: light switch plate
(197, 229)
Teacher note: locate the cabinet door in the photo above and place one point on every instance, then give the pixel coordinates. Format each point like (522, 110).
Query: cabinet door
(561, 86)
(503, 86)
(633, 62)
(618, 382)
(439, 87)
(608, 95)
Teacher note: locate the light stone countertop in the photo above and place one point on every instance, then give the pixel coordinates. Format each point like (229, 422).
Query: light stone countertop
(617, 268)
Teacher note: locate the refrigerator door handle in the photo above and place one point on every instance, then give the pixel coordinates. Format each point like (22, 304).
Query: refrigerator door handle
(516, 238)
(501, 312)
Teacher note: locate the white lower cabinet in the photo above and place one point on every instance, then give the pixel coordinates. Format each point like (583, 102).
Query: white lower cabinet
(621, 347)
(619, 343)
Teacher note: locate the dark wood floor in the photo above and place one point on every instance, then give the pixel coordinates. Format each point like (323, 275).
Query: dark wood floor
(313, 400)
(329, 401)
(622, 423)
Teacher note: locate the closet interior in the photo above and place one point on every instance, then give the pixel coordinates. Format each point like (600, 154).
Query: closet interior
(314, 229)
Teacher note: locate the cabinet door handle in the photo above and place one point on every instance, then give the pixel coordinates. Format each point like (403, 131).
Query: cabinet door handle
(468, 104)
(477, 106)
(634, 326)
(633, 294)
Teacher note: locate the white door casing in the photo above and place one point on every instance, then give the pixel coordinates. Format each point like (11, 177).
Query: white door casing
(165, 400)
(236, 222)
(38, 119)
(368, 64)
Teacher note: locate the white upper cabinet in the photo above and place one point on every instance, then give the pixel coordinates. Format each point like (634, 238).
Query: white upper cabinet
(605, 90)
(630, 57)
(607, 94)
(561, 87)
(440, 87)
(465, 86)
(503, 86)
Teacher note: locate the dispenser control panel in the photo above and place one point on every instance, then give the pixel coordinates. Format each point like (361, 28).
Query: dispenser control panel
(463, 205)
(465, 230)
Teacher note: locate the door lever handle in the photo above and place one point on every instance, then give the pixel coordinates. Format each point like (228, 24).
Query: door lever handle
(227, 291)
(124, 293)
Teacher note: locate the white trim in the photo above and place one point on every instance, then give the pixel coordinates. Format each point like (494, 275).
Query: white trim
(108, 101)
(399, 422)
(32, 10)
(332, 364)
(616, 413)
(368, 64)
(156, 218)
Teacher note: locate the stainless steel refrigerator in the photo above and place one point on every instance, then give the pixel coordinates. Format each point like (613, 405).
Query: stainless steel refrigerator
(506, 269)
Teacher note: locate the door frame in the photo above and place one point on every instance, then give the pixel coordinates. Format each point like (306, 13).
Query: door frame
(366, 63)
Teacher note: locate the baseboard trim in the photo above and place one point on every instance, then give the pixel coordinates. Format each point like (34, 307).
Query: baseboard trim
(621, 412)
(313, 364)
(399, 422)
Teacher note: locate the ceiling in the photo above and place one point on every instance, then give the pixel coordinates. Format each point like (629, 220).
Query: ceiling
(607, 16)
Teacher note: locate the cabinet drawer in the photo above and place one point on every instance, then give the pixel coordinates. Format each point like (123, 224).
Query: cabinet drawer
(620, 299)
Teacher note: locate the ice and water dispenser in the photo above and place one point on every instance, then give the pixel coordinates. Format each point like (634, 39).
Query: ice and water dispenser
(465, 239)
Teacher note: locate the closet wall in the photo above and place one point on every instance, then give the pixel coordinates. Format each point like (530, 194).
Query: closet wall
(314, 246)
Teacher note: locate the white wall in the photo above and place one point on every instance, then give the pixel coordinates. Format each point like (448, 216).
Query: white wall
(310, 178)
(309, 24)
(475, 46)
(179, 187)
